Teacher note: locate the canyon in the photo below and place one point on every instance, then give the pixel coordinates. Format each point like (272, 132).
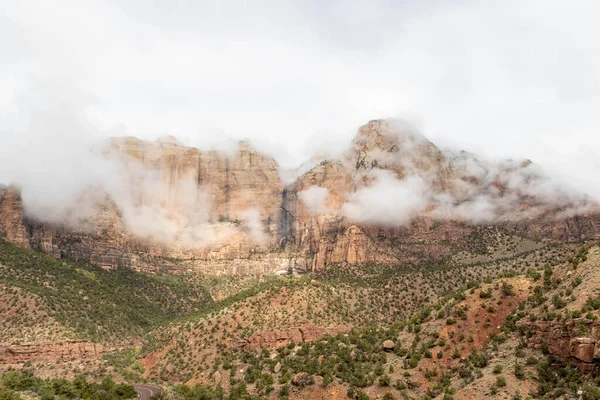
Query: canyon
(395, 260)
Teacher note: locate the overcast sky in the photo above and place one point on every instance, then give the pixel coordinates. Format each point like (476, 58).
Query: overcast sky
(505, 78)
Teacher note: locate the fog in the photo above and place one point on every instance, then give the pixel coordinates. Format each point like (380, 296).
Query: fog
(388, 202)
(503, 80)
(315, 198)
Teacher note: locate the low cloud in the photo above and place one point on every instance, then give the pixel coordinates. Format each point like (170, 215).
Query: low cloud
(388, 201)
(314, 199)
(68, 175)
(449, 184)
(253, 225)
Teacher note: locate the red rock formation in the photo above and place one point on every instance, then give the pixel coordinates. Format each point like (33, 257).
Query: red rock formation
(186, 204)
(15, 355)
(11, 216)
(574, 341)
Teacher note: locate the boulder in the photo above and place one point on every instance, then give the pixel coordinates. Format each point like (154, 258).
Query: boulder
(583, 349)
(302, 379)
(389, 345)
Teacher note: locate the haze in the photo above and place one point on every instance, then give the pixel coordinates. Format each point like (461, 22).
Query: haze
(504, 79)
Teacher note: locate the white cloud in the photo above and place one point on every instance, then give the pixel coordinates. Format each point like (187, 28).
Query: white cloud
(251, 220)
(386, 202)
(314, 198)
(499, 78)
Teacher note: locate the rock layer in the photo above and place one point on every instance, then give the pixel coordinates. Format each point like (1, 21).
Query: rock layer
(15, 355)
(574, 341)
(177, 208)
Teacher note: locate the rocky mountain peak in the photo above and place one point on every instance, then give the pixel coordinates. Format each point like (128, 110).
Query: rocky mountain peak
(397, 146)
(165, 199)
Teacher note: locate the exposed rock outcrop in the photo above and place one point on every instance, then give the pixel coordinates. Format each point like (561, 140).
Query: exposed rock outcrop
(388, 345)
(233, 183)
(574, 341)
(11, 216)
(177, 208)
(15, 355)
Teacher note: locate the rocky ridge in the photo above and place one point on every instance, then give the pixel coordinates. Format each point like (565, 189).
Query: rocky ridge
(179, 208)
(75, 350)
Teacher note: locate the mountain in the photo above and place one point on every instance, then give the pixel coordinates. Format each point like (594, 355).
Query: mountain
(397, 270)
(392, 195)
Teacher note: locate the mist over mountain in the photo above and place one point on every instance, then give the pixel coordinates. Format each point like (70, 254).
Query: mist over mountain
(297, 200)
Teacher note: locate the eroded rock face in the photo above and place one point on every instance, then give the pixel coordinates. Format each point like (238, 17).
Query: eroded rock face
(397, 146)
(15, 355)
(582, 349)
(11, 216)
(353, 246)
(175, 202)
(233, 183)
(564, 339)
(232, 214)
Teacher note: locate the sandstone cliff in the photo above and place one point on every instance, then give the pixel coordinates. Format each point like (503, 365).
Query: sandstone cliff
(177, 208)
(17, 355)
(11, 216)
(573, 341)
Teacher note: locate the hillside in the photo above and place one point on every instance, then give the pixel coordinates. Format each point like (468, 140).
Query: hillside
(480, 322)
(305, 309)
(480, 341)
(75, 314)
(396, 270)
(97, 304)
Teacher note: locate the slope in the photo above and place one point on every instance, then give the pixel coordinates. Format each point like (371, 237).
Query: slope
(87, 301)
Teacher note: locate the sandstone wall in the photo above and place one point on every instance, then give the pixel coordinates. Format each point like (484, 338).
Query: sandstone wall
(179, 208)
(575, 341)
(15, 355)
(11, 217)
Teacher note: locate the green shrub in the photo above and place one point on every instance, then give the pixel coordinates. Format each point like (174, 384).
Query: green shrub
(500, 381)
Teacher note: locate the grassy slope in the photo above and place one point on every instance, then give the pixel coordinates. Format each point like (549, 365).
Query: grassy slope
(97, 304)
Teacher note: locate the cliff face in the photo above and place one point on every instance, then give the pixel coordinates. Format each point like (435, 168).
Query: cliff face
(182, 178)
(573, 341)
(167, 201)
(18, 355)
(11, 216)
(396, 146)
(171, 201)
